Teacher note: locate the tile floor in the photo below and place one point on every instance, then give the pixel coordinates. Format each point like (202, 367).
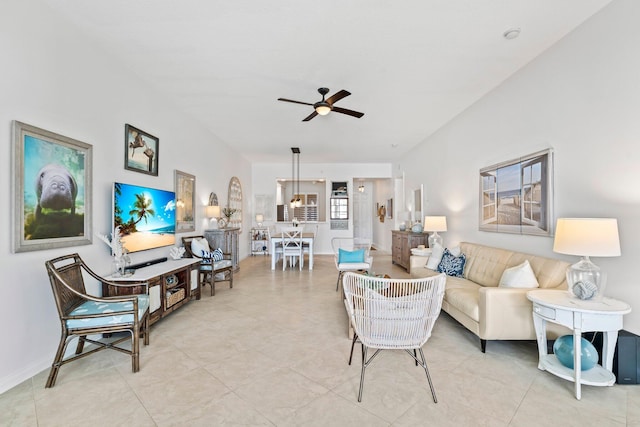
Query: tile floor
(273, 351)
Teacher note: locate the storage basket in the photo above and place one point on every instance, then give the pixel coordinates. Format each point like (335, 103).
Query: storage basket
(175, 297)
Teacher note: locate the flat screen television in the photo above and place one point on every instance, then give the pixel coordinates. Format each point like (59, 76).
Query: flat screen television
(146, 216)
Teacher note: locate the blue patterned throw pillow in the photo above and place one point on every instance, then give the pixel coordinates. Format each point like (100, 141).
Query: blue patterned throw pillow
(452, 265)
(217, 255)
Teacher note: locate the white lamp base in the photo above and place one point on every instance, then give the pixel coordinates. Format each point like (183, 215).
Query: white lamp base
(435, 238)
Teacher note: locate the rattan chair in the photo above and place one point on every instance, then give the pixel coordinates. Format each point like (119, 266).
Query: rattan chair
(393, 314)
(82, 315)
(351, 244)
(210, 271)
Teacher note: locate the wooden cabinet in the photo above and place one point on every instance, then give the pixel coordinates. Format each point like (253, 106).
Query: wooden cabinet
(259, 241)
(171, 285)
(227, 240)
(401, 244)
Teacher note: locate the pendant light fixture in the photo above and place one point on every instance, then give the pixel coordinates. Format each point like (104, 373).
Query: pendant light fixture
(296, 202)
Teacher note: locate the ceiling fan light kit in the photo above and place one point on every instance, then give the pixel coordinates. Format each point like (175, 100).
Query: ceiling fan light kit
(324, 107)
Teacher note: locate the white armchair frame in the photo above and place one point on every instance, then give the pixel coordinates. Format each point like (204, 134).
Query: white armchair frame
(351, 244)
(393, 314)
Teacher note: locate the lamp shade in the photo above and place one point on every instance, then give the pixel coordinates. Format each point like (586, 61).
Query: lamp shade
(259, 218)
(596, 237)
(212, 211)
(435, 223)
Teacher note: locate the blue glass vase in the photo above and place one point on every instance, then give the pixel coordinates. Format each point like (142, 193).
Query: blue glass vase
(563, 349)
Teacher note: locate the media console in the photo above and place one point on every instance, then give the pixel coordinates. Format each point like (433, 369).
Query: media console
(171, 285)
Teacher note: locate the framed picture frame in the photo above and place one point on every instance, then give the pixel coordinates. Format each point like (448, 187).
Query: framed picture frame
(185, 188)
(516, 196)
(52, 190)
(141, 151)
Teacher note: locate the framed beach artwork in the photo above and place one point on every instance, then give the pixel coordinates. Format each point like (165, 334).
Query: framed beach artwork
(516, 196)
(51, 186)
(141, 151)
(185, 188)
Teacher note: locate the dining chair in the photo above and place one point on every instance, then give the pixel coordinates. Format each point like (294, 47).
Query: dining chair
(393, 314)
(82, 315)
(351, 254)
(306, 246)
(292, 247)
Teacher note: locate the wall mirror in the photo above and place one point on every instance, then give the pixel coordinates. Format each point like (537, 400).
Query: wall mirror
(185, 188)
(418, 204)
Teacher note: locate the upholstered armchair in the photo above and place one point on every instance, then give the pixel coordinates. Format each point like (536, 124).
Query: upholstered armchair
(211, 270)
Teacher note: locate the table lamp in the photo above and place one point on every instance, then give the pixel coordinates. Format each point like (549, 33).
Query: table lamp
(212, 212)
(259, 219)
(435, 224)
(587, 237)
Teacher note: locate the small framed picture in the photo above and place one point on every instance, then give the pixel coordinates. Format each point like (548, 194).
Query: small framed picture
(141, 151)
(52, 190)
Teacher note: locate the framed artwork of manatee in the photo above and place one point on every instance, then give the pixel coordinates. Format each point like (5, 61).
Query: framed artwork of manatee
(140, 151)
(52, 190)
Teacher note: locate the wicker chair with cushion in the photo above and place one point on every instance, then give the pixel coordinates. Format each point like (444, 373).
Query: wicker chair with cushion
(82, 315)
(210, 270)
(393, 314)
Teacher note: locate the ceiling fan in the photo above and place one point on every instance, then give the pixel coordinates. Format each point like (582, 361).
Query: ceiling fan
(324, 107)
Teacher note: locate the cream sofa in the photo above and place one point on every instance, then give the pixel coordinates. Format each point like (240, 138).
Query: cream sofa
(489, 311)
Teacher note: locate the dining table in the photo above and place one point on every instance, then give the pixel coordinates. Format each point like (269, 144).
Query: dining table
(307, 238)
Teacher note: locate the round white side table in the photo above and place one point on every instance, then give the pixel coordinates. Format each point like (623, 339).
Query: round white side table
(579, 316)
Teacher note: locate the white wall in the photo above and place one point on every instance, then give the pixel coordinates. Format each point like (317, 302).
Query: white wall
(582, 98)
(52, 78)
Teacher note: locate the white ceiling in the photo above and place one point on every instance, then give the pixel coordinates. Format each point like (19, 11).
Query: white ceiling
(410, 65)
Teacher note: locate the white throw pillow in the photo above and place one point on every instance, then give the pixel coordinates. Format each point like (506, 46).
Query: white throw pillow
(520, 276)
(436, 256)
(199, 245)
(455, 251)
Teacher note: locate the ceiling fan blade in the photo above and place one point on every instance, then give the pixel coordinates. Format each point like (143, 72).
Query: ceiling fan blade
(295, 102)
(338, 96)
(348, 112)
(310, 116)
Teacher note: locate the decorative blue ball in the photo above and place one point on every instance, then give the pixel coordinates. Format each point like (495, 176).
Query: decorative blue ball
(563, 349)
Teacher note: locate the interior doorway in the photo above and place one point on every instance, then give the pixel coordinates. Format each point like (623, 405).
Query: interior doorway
(362, 209)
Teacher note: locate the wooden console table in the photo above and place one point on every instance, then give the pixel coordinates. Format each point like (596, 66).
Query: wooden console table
(401, 244)
(171, 285)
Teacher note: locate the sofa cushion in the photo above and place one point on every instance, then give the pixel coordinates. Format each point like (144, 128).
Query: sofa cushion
(520, 276)
(436, 256)
(485, 264)
(452, 265)
(463, 295)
